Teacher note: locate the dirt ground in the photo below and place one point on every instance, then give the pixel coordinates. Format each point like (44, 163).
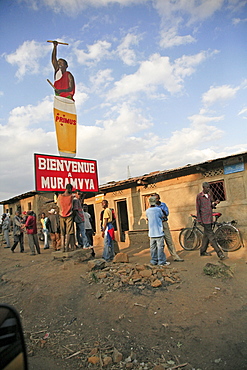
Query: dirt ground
(199, 322)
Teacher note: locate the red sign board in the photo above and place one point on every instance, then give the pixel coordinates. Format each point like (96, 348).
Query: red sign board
(53, 173)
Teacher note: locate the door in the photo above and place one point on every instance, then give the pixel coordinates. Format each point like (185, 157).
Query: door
(123, 221)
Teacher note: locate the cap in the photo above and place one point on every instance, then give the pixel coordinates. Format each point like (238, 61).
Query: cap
(152, 201)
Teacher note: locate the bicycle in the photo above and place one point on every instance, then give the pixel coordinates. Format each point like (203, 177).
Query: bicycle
(227, 235)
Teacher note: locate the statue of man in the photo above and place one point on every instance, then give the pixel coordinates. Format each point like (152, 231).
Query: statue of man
(64, 80)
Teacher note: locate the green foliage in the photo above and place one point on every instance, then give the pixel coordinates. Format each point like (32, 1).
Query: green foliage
(218, 271)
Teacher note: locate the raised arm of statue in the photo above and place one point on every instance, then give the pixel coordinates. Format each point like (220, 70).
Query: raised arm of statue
(54, 56)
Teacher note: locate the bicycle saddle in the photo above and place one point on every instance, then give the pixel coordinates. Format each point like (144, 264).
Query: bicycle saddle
(217, 214)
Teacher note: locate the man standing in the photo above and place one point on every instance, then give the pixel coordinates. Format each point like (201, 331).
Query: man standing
(88, 227)
(53, 226)
(5, 228)
(64, 80)
(156, 234)
(166, 229)
(204, 206)
(31, 228)
(79, 220)
(64, 202)
(107, 233)
(18, 232)
(43, 222)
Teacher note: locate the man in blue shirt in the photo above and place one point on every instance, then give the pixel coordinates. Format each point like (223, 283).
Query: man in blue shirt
(166, 229)
(156, 234)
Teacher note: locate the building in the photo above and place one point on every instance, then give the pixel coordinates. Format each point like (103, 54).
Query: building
(177, 187)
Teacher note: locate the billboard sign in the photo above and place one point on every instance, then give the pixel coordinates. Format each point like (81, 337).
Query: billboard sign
(53, 173)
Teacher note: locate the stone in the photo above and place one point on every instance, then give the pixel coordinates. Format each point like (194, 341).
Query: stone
(117, 356)
(4, 278)
(124, 279)
(82, 255)
(94, 351)
(107, 361)
(93, 360)
(102, 275)
(140, 267)
(169, 280)
(158, 367)
(145, 273)
(96, 264)
(121, 257)
(98, 295)
(156, 283)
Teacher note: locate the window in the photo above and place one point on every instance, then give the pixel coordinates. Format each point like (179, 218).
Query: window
(29, 206)
(218, 190)
(145, 201)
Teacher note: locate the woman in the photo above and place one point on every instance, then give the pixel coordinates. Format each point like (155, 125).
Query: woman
(43, 222)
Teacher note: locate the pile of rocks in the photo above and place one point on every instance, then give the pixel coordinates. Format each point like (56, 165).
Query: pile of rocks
(119, 275)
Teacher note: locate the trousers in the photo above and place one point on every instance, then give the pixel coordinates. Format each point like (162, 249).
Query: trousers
(33, 242)
(168, 240)
(18, 239)
(209, 237)
(157, 251)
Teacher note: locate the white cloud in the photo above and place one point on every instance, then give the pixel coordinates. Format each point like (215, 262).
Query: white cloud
(179, 15)
(193, 10)
(96, 52)
(157, 71)
(27, 56)
(21, 137)
(124, 51)
(73, 7)
(81, 94)
(236, 21)
(243, 113)
(170, 38)
(219, 93)
(101, 79)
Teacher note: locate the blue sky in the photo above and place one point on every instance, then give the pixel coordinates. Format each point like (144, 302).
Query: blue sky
(159, 83)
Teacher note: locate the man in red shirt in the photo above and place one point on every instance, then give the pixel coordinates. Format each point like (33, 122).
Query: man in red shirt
(31, 228)
(64, 202)
(64, 80)
(204, 208)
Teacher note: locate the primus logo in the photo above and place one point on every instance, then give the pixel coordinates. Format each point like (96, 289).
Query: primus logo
(63, 119)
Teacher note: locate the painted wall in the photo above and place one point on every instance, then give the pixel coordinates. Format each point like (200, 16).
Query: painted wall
(178, 193)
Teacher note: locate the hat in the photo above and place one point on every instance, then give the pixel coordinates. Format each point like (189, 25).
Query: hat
(52, 211)
(152, 201)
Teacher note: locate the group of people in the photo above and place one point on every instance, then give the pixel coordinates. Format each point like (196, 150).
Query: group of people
(157, 216)
(159, 232)
(58, 226)
(21, 222)
(72, 212)
(73, 219)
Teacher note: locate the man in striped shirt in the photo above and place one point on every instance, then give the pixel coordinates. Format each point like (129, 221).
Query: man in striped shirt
(204, 208)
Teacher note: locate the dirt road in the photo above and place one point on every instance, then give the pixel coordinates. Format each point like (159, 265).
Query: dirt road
(198, 322)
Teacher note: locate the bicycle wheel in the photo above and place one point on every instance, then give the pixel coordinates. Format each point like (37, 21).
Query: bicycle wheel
(188, 239)
(228, 238)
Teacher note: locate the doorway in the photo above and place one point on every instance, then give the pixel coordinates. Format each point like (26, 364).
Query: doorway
(123, 221)
(92, 214)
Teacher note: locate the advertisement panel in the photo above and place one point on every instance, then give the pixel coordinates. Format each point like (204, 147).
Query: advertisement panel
(53, 173)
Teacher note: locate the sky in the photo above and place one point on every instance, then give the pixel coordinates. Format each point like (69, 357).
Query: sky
(159, 83)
